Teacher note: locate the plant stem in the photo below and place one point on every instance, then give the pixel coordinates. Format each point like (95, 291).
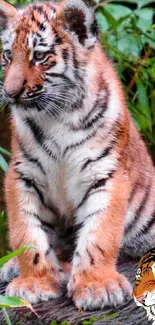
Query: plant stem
(6, 316)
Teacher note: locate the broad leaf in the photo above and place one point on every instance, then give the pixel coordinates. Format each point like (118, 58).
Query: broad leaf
(12, 302)
(3, 164)
(6, 152)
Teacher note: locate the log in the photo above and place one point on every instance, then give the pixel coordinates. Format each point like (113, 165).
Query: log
(63, 310)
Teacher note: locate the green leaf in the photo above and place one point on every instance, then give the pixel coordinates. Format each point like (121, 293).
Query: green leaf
(142, 3)
(144, 103)
(17, 252)
(129, 45)
(109, 17)
(6, 316)
(6, 152)
(102, 22)
(145, 18)
(3, 164)
(117, 11)
(12, 302)
(7, 302)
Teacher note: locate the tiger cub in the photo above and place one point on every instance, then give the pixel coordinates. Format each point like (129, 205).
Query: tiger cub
(144, 290)
(81, 185)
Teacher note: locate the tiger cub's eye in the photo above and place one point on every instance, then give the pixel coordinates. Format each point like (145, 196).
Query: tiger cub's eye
(39, 55)
(7, 55)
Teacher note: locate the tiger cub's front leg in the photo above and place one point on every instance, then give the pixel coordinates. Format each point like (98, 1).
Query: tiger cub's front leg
(40, 276)
(94, 281)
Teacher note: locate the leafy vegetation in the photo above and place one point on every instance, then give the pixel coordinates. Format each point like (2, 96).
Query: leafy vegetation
(6, 301)
(128, 35)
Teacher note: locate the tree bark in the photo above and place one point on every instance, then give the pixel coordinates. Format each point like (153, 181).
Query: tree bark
(63, 310)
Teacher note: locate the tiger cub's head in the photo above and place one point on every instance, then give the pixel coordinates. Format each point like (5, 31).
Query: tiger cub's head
(47, 49)
(144, 290)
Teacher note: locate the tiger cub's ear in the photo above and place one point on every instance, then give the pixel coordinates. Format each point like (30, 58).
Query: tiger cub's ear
(80, 21)
(7, 11)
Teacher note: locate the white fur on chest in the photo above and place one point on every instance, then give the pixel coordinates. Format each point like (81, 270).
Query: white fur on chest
(64, 183)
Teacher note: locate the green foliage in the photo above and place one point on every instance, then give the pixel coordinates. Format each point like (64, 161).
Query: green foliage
(129, 38)
(94, 319)
(12, 302)
(3, 163)
(17, 252)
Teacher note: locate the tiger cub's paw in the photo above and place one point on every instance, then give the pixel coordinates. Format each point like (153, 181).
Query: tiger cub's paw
(35, 289)
(92, 294)
(10, 270)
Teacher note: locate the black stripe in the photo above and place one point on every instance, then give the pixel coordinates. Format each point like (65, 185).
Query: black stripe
(39, 136)
(36, 21)
(36, 130)
(42, 27)
(139, 210)
(100, 249)
(77, 144)
(75, 64)
(43, 44)
(60, 75)
(43, 223)
(133, 191)
(97, 185)
(90, 256)
(34, 42)
(103, 105)
(149, 259)
(94, 120)
(102, 155)
(65, 56)
(36, 259)
(31, 183)
(149, 224)
(26, 180)
(77, 254)
(143, 203)
(50, 65)
(17, 163)
(29, 158)
(90, 215)
(102, 182)
(41, 11)
(145, 258)
(58, 39)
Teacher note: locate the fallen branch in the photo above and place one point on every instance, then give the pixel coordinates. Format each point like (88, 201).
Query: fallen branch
(63, 310)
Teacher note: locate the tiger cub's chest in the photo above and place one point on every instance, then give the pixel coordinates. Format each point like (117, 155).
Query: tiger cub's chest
(52, 162)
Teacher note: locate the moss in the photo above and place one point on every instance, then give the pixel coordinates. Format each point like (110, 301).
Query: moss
(94, 319)
(109, 316)
(86, 322)
(90, 321)
(54, 322)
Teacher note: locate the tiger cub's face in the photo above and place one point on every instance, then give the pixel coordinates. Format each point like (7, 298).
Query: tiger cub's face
(46, 50)
(144, 291)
